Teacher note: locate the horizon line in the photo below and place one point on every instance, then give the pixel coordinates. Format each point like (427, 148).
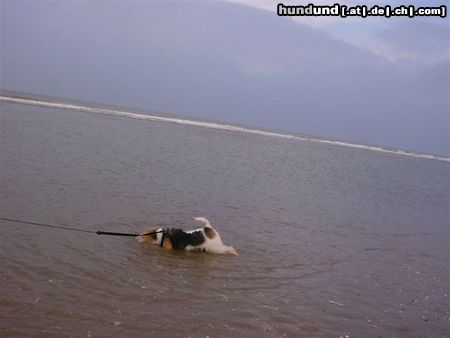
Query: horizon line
(213, 125)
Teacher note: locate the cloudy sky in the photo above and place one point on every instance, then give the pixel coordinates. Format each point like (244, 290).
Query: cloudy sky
(374, 81)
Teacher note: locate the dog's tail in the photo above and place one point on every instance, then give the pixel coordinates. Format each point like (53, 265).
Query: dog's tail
(203, 221)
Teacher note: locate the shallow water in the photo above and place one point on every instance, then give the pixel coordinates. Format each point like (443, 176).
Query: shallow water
(317, 226)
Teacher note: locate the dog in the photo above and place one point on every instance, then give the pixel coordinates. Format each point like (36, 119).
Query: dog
(203, 239)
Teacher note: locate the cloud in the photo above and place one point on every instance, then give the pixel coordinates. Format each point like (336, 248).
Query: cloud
(415, 39)
(420, 39)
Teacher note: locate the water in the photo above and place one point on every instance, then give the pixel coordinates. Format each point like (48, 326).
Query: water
(316, 225)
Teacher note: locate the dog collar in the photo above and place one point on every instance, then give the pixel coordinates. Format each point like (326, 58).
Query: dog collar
(163, 234)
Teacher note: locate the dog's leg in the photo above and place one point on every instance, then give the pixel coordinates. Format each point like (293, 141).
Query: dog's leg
(223, 250)
(232, 251)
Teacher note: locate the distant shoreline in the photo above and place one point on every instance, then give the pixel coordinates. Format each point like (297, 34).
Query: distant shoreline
(7, 96)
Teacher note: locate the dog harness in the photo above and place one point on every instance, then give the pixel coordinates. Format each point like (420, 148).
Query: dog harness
(181, 239)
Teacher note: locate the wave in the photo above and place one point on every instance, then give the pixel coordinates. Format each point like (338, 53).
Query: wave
(212, 125)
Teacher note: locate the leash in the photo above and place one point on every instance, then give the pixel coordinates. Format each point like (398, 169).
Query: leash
(109, 233)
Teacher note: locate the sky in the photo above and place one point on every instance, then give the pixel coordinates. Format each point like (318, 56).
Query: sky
(374, 81)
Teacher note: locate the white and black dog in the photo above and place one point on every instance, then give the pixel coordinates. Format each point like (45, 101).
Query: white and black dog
(202, 239)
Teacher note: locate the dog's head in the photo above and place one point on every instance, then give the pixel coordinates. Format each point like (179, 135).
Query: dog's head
(149, 235)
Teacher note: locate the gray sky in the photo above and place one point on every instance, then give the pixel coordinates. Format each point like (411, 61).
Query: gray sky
(376, 81)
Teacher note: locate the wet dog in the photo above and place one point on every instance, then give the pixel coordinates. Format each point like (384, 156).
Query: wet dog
(202, 239)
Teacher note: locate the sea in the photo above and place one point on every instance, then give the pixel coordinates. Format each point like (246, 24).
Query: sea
(334, 239)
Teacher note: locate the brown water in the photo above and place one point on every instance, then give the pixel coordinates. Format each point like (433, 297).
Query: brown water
(315, 225)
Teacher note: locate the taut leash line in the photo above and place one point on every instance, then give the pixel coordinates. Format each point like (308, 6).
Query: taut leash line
(109, 233)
